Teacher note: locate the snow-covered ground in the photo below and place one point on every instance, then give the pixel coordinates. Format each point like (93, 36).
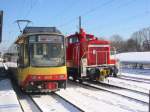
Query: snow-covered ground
(126, 91)
(139, 73)
(52, 103)
(92, 100)
(129, 84)
(8, 98)
(139, 57)
(26, 103)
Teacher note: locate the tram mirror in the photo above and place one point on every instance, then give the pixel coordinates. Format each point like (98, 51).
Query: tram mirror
(20, 62)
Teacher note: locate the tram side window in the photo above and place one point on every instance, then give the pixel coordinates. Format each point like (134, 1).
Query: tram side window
(26, 55)
(21, 57)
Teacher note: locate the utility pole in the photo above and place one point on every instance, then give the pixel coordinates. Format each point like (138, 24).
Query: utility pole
(79, 23)
(1, 25)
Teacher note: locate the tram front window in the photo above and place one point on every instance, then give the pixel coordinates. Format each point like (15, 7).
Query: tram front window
(47, 54)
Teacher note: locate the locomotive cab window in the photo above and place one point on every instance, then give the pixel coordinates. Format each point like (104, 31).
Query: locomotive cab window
(88, 38)
(73, 40)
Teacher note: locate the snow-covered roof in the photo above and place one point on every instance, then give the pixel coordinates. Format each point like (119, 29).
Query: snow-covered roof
(134, 57)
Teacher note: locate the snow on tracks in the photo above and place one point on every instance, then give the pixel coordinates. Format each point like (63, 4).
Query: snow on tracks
(8, 98)
(94, 100)
(52, 102)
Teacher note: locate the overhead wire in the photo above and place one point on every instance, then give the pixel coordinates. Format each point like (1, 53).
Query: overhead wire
(106, 3)
(124, 4)
(128, 19)
(65, 9)
(97, 8)
(86, 13)
(32, 5)
(138, 16)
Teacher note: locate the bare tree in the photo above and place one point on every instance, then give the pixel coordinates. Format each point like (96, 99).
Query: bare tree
(137, 41)
(131, 45)
(142, 38)
(117, 42)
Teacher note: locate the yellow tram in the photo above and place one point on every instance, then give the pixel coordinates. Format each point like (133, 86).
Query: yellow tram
(41, 65)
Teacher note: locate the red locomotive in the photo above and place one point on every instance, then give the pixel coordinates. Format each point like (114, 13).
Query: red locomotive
(89, 58)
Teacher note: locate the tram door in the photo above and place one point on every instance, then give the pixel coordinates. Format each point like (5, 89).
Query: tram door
(23, 60)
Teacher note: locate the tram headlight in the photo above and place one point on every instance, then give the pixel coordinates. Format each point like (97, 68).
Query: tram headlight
(62, 76)
(48, 77)
(33, 77)
(36, 77)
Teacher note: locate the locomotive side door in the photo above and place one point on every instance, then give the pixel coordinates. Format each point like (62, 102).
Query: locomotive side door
(69, 52)
(73, 51)
(73, 56)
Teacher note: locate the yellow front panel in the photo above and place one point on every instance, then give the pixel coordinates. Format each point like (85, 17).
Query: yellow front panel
(23, 73)
(48, 70)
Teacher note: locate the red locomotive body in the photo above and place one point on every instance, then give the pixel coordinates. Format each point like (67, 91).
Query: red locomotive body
(88, 57)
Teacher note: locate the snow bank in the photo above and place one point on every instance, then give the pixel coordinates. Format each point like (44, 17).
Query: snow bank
(8, 98)
(134, 57)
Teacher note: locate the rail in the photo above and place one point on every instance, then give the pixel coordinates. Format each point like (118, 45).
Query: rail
(115, 90)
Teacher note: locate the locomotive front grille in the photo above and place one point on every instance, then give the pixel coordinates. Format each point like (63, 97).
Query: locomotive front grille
(96, 57)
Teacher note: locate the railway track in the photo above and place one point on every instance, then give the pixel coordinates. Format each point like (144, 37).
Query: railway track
(26, 102)
(136, 79)
(124, 92)
(45, 102)
(129, 84)
(91, 98)
(54, 102)
(109, 86)
(79, 109)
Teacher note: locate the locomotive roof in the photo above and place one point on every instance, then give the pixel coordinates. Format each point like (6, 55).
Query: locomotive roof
(94, 40)
(41, 30)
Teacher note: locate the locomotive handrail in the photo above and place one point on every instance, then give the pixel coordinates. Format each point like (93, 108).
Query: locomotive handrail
(77, 54)
(73, 54)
